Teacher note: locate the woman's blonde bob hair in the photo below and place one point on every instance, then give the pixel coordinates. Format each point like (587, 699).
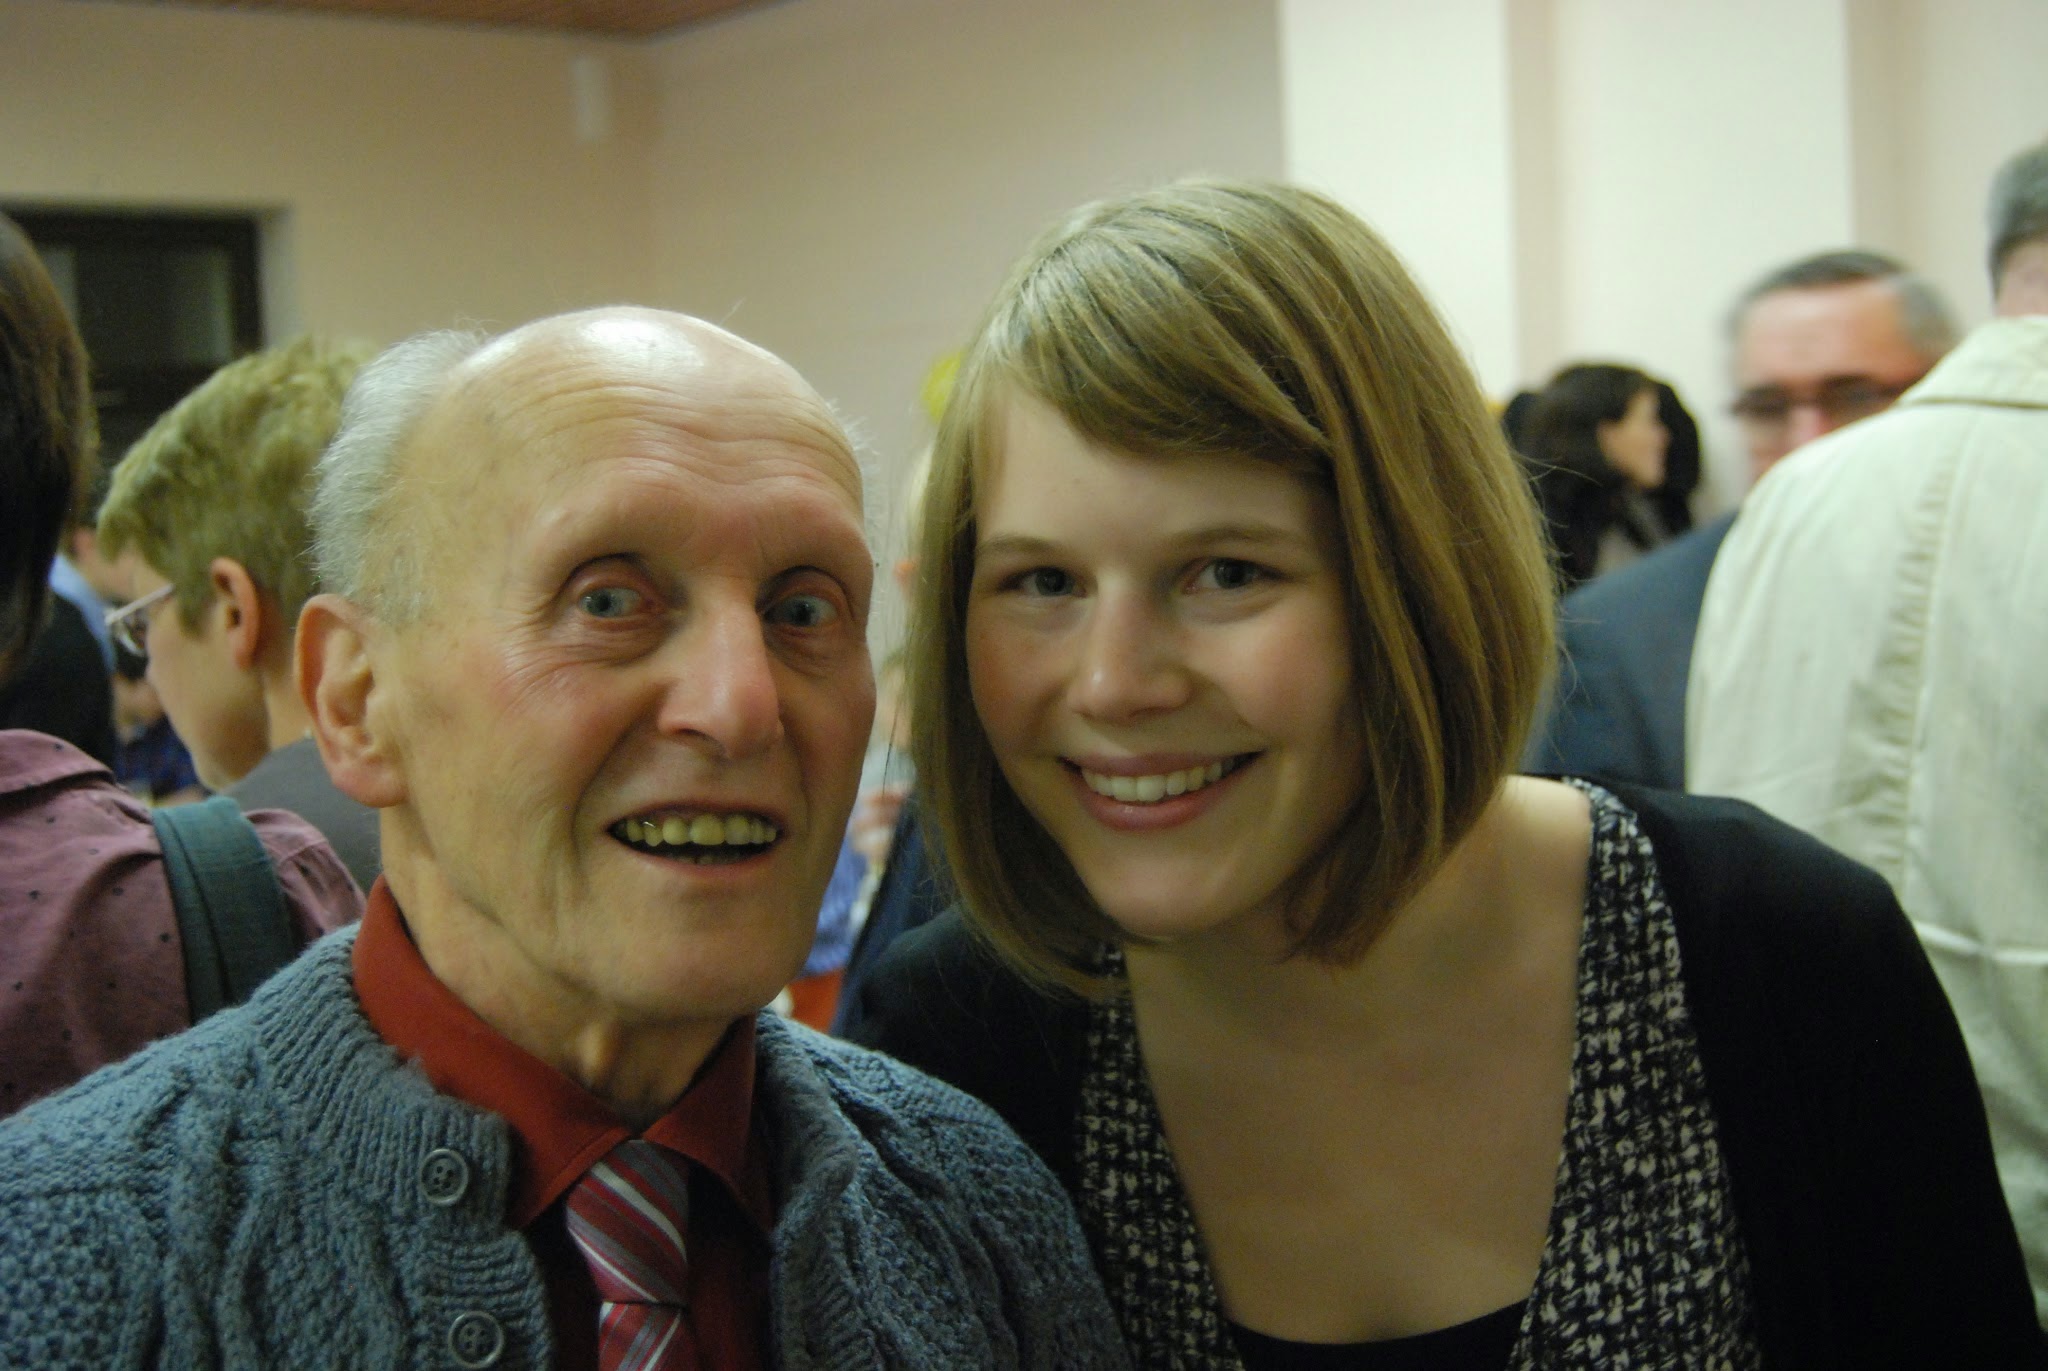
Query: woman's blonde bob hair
(1270, 323)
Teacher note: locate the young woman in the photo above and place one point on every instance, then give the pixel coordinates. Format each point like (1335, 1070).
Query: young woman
(1595, 446)
(1235, 614)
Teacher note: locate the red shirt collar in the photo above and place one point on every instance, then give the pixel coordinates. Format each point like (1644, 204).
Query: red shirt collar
(559, 1129)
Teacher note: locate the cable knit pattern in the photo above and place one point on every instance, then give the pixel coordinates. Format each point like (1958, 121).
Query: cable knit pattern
(254, 1193)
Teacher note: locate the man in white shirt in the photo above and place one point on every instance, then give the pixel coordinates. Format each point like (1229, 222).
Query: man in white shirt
(1872, 665)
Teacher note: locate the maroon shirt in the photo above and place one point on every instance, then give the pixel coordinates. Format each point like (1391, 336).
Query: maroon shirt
(91, 965)
(559, 1129)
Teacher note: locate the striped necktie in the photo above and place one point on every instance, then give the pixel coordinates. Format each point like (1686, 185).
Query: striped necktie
(627, 1217)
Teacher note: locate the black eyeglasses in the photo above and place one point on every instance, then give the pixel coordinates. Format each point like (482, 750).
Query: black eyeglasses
(1840, 401)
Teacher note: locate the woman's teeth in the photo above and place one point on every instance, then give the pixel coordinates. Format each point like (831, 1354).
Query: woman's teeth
(1147, 790)
(702, 830)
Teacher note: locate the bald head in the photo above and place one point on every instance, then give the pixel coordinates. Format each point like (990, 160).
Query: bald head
(436, 416)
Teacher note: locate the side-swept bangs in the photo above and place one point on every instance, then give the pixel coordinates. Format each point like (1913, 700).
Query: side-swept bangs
(1269, 323)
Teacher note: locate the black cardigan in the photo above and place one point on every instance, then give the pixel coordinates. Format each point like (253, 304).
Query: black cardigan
(1850, 1119)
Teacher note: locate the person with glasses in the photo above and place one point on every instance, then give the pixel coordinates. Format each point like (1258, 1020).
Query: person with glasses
(94, 967)
(1825, 342)
(1816, 344)
(1871, 668)
(208, 514)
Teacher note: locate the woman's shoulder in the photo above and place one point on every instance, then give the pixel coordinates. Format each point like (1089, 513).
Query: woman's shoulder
(1839, 1079)
(1732, 871)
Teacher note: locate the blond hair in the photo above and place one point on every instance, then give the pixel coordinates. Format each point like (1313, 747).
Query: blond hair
(228, 472)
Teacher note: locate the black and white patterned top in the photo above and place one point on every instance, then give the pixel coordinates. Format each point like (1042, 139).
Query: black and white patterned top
(1643, 1265)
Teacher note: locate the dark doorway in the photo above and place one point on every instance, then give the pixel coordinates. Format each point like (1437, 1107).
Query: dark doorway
(162, 301)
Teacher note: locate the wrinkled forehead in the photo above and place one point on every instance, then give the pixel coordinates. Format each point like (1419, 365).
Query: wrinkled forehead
(520, 401)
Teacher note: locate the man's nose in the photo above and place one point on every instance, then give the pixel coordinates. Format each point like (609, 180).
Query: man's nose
(1131, 661)
(722, 693)
(1807, 421)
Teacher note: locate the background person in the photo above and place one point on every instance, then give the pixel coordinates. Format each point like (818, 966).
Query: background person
(1235, 615)
(208, 509)
(1870, 669)
(1595, 444)
(89, 937)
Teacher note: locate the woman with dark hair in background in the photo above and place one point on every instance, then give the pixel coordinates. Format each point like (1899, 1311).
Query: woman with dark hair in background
(1595, 445)
(1234, 615)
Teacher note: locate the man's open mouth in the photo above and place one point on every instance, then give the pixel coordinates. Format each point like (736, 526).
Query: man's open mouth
(702, 839)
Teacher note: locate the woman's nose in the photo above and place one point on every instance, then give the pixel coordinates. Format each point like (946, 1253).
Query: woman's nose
(1131, 662)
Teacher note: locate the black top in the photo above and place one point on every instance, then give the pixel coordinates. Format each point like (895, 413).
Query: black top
(1483, 1344)
(1854, 1135)
(63, 687)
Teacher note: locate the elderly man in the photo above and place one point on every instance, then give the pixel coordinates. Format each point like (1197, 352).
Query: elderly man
(208, 510)
(596, 649)
(1816, 344)
(1871, 669)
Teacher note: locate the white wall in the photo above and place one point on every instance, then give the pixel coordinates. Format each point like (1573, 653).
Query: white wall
(845, 181)
(1693, 157)
(1403, 112)
(1599, 178)
(416, 175)
(1974, 89)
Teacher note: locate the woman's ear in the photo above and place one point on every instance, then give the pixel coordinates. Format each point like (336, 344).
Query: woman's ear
(336, 675)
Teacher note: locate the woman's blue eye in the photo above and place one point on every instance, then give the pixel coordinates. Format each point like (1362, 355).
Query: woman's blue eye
(803, 611)
(1046, 580)
(610, 602)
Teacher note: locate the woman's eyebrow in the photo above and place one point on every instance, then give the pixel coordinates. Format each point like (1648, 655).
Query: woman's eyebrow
(1014, 545)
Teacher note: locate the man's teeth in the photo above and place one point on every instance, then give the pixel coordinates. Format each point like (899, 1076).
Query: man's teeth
(702, 830)
(1151, 789)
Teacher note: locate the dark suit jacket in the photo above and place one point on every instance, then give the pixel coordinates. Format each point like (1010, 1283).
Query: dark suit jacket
(910, 896)
(1618, 709)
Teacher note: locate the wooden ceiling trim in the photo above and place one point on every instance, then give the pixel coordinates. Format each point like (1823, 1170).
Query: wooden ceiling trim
(618, 18)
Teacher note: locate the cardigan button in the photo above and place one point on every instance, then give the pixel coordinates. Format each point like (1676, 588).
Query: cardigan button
(476, 1340)
(444, 1177)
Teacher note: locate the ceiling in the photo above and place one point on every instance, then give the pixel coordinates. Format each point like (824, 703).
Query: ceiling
(619, 18)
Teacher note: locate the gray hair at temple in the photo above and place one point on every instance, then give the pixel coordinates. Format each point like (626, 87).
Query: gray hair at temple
(1923, 315)
(2018, 212)
(360, 549)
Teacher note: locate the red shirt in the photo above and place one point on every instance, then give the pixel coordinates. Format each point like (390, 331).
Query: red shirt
(559, 1129)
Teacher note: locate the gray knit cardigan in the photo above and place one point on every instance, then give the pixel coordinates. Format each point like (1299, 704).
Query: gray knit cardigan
(276, 1189)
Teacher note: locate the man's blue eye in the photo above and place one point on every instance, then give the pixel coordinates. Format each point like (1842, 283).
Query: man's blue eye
(610, 602)
(803, 611)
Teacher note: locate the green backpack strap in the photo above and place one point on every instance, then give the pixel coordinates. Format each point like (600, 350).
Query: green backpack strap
(231, 910)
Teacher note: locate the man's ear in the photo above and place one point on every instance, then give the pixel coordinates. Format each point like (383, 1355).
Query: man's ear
(247, 619)
(335, 672)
